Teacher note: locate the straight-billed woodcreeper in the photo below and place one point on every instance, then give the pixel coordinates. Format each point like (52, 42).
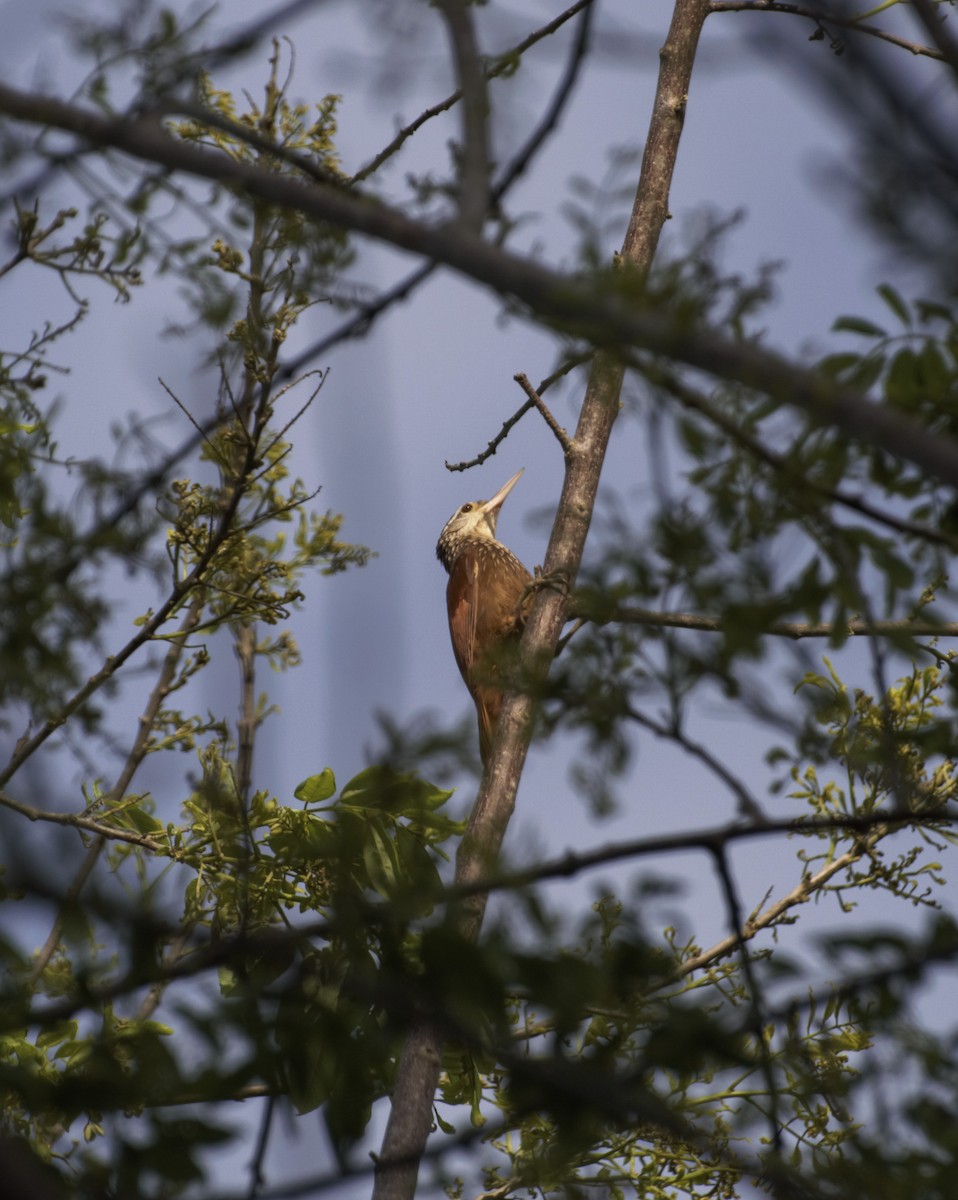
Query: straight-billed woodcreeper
(487, 585)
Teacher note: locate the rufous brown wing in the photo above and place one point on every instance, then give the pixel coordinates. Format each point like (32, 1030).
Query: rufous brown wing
(483, 597)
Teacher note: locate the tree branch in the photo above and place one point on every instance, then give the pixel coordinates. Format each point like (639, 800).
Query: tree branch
(818, 15)
(134, 758)
(771, 915)
(517, 416)
(79, 821)
(474, 167)
(504, 63)
(757, 1019)
(796, 630)
(418, 1074)
(586, 308)
(550, 118)
(931, 17)
(535, 399)
(690, 398)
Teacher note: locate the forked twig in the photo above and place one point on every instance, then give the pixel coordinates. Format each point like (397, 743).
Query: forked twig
(546, 413)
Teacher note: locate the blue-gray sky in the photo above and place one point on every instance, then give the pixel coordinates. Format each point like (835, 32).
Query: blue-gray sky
(436, 380)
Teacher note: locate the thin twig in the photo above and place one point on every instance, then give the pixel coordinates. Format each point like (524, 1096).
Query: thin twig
(689, 397)
(493, 446)
(78, 821)
(360, 323)
(546, 413)
(796, 630)
(819, 15)
(550, 119)
(257, 1177)
(134, 758)
(932, 18)
(201, 433)
(504, 64)
(748, 806)
(49, 947)
(756, 1007)
(771, 915)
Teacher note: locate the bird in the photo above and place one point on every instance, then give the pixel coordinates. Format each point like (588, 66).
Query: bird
(486, 593)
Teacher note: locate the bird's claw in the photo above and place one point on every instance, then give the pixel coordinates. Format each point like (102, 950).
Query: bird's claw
(557, 581)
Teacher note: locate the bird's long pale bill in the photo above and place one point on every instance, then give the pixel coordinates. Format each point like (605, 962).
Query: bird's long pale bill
(496, 501)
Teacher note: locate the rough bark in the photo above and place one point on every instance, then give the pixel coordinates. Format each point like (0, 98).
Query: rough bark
(410, 1119)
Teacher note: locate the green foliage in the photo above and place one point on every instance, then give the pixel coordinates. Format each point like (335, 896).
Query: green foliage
(298, 1002)
(217, 944)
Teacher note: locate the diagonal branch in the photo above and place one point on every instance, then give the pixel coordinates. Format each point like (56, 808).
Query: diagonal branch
(136, 755)
(79, 821)
(818, 15)
(504, 64)
(756, 1018)
(553, 113)
(933, 19)
(569, 365)
(784, 464)
(546, 413)
(585, 307)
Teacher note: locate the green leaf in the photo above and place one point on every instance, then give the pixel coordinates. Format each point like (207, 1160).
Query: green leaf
(867, 372)
(931, 310)
(381, 787)
(858, 325)
(903, 383)
(895, 303)
(837, 366)
(381, 861)
(317, 788)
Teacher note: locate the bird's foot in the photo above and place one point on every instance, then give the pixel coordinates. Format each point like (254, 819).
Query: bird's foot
(557, 581)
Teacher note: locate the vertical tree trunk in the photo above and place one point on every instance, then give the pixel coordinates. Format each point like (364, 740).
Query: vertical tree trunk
(410, 1119)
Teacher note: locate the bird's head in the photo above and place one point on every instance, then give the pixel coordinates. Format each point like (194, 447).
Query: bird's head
(473, 521)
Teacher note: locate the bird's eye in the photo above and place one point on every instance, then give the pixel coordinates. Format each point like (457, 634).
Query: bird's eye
(466, 508)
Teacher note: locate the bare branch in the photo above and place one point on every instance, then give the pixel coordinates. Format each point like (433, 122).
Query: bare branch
(550, 118)
(796, 630)
(517, 416)
(587, 308)
(572, 864)
(933, 19)
(504, 63)
(535, 399)
(474, 168)
(78, 821)
(134, 758)
(818, 15)
(360, 322)
(748, 806)
(757, 1019)
(773, 913)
